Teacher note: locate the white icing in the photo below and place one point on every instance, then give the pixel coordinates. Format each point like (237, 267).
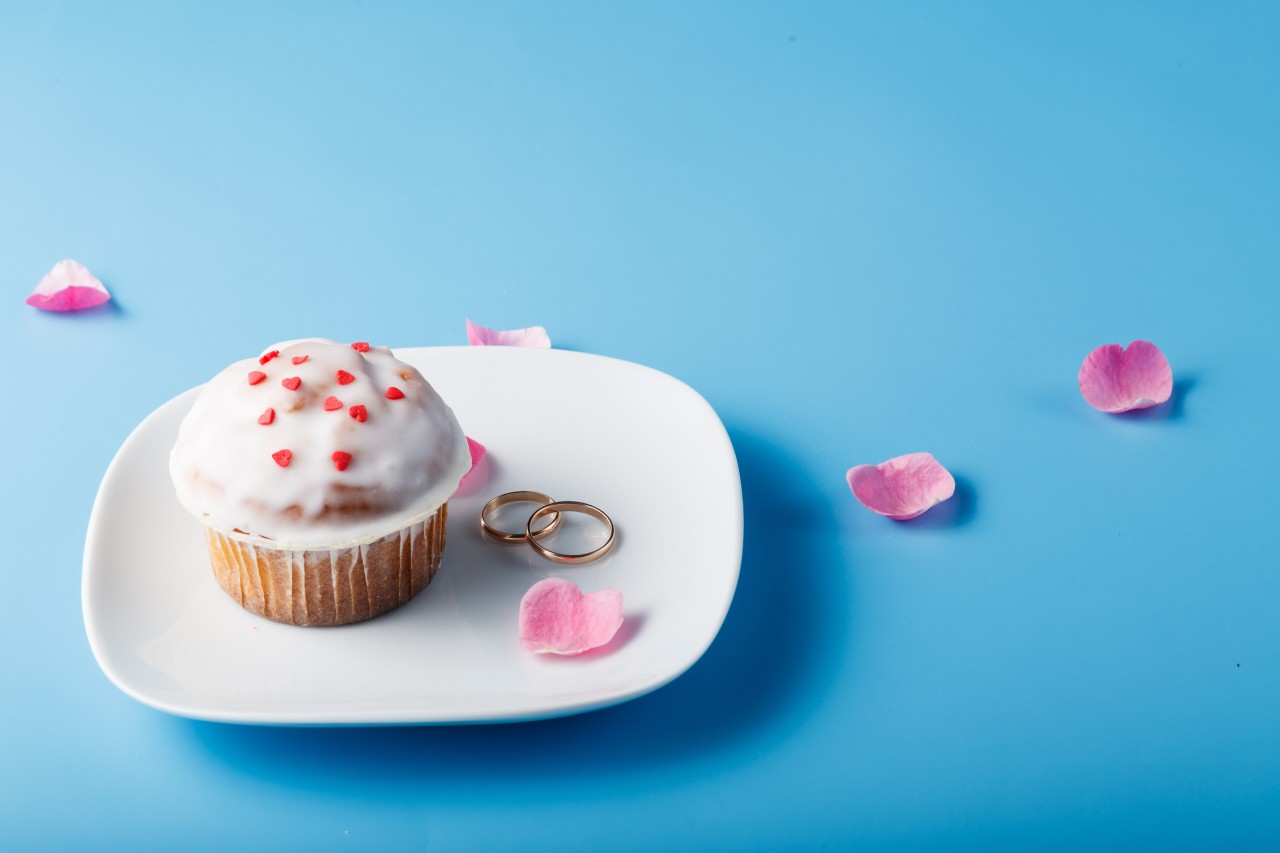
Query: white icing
(406, 458)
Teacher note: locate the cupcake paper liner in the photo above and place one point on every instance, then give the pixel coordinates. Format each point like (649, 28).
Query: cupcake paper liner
(318, 586)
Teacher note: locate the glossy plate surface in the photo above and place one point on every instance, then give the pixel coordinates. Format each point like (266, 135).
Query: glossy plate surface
(636, 442)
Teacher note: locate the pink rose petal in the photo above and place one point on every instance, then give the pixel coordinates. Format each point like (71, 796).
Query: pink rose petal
(534, 336)
(477, 453)
(1114, 379)
(68, 287)
(556, 617)
(903, 487)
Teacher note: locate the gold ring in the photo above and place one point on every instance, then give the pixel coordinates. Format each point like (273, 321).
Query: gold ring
(561, 507)
(511, 498)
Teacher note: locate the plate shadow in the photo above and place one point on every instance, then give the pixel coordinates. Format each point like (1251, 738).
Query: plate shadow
(770, 667)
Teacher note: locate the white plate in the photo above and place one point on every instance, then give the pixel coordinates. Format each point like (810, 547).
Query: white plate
(641, 445)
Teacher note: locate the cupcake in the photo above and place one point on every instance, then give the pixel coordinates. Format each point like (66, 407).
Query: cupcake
(321, 473)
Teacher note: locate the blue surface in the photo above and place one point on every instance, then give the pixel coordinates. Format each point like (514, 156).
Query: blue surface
(859, 232)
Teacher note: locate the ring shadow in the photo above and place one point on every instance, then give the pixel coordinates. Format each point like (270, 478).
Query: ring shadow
(772, 664)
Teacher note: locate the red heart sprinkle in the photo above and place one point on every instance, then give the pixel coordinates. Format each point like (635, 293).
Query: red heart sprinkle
(360, 346)
(267, 356)
(341, 459)
(256, 376)
(331, 403)
(345, 378)
(298, 359)
(282, 457)
(267, 417)
(360, 413)
(291, 383)
(394, 393)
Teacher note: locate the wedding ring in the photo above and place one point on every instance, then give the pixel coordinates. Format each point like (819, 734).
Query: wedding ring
(528, 534)
(559, 508)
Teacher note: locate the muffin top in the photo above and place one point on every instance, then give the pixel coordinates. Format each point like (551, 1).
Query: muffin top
(317, 443)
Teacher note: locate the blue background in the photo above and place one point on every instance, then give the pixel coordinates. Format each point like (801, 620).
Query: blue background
(858, 231)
